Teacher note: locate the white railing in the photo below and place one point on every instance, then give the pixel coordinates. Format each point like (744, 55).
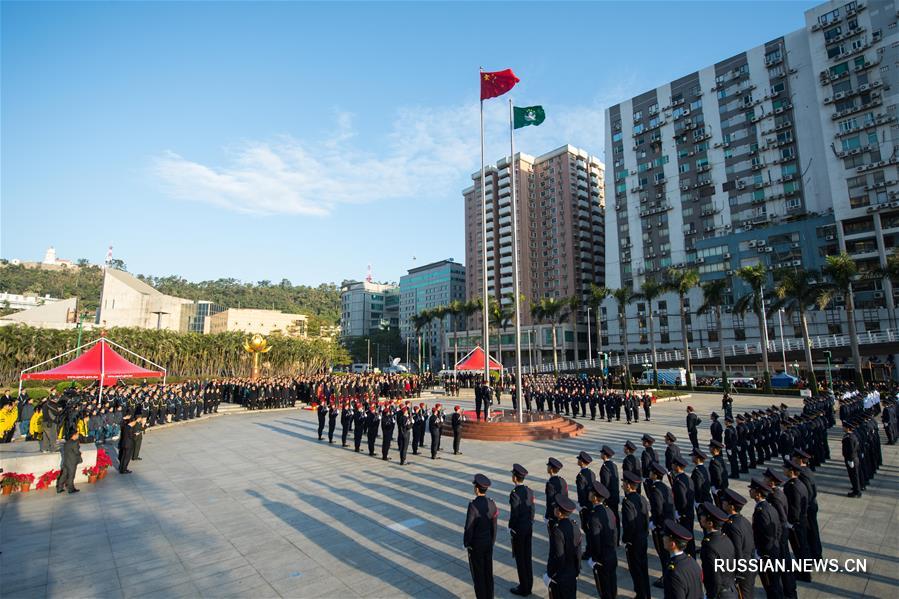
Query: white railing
(821, 342)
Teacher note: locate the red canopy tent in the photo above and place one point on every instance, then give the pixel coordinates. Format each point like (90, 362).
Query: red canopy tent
(474, 360)
(100, 362)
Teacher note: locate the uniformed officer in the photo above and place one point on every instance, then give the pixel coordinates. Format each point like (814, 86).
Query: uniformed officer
(630, 463)
(719, 583)
(766, 534)
(584, 483)
(682, 575)
(850, 448)
(808, 479)
(564, 562)
(404, 433)
(684, 500)
(739, 530)
(608, 476)
(661, 505)
(797, 514)
(700, 477)
(717, 470)
(480, 536)
(435, 423)
(732, 443)
(359, 422)
(715, 428)
(602, 537)
(322, 412)
(647, 459)
(779, 501)
(372, 425)
(333, 412)
(634, 531)
(522, 506)
(693, 422)
(556, 487)
(457, 419)
(671, 450)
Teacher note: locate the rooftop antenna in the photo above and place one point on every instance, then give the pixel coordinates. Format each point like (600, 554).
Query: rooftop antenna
(368, 276)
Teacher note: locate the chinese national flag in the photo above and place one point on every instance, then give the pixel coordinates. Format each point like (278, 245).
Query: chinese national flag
(497, 83)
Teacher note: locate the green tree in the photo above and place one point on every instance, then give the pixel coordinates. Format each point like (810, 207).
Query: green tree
(419, 321)
(796, 292)
(553, 311)
(649, 292)
(714, 295)
(756, 277)
(623, 297)
(681, 281)
(841, 270)
(597, 296)
(574, 304)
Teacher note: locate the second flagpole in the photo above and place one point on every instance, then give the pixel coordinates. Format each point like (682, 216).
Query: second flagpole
(486, 306)
(519, 390)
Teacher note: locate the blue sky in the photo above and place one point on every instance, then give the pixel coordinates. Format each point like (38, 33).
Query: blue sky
(304, 140)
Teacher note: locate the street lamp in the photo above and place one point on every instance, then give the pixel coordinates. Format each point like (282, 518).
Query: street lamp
(829, 377)
(795, 366)
(783, 347)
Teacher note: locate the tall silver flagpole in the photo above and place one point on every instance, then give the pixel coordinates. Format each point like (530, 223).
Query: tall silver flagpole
(515, 288)
(486, 305)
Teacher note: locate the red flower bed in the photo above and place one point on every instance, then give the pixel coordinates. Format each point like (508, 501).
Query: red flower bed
(47, 479)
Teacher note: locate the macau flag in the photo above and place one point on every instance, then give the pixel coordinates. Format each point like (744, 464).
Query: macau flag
(528, 115)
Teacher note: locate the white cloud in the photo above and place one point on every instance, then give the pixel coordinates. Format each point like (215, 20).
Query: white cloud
(429, 153)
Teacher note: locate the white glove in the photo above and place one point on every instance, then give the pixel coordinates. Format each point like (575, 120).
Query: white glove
(591, 563)
(850, 464)
(547, 580)
(511, 532)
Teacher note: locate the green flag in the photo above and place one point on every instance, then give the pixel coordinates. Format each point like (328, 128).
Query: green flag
(527, 115)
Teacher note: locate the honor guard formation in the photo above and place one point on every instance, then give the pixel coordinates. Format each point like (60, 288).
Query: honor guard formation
(574, 396)
(665, 495)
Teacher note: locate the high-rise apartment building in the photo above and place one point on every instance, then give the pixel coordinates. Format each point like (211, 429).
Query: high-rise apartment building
(366, 306)
(750, 161)
(427, 287)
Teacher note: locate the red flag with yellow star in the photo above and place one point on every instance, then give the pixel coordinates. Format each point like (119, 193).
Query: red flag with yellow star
(497, 83)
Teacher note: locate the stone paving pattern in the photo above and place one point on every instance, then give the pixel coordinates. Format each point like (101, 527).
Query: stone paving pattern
(253, 505)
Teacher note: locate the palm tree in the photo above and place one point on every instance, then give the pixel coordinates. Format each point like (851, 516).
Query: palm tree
(597, 296)
(419, 321)
(500, 316)
(455, 309)
(624, 297)
(841, 270)
(681, 281)
(714, 294)
(440, 313)
(756, 277)
(890, 273)
(797, 291)
(649, 292)
(553, 311)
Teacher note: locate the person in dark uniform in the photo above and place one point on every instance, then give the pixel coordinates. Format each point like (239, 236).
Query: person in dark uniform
(346, 422)
(555, 487)
(850, 446)
(743, 443)
(634, 531)
(671, 450)
(648, 456)
(739, 530)
(608, 476)
(138, 425)
(661, 506)
(717, 470)
(684, 500)
(126, 446)
(480, 536)
(602, 538)
(583, 482)
(372, 424)
(71, 457)
(797, 514)
(682, 575)
(693, 422)
(403, 433)
(564, 562)
(388, 424)
(522, 506)
(322, 412)
(732, 443)
(435, 422)
(700, 477)
(766, 534)
(778, 500)
(719, 583)
(359, 427)
(630, 463)
(419, 420)
(333, 413)
(715, 428)
(808, 479)
(456, 420)
(479, 401)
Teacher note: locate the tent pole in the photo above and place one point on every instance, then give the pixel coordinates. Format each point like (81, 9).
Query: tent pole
(102, 369)
(20, 385)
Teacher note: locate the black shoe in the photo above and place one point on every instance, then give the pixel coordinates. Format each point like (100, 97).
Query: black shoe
(518, 591)
(137, 459)
(126, 472)
(60, 490)
(74, 490)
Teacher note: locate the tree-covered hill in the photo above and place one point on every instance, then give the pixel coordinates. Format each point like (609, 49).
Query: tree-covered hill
(85, 283)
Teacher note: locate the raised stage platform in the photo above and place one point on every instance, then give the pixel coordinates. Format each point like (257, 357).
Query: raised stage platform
(25, 457)
(503, 425)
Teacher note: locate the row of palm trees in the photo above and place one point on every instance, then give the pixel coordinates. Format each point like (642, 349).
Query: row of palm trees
(794, 291)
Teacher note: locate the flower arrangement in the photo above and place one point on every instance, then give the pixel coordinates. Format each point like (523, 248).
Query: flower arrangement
(91, 471)
(47, 478)
(103, 460)
(25, 481)
(9, 482)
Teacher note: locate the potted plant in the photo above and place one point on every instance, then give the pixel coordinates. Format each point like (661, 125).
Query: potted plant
(46, 479)
(91, 473)
(103, 463)
(9, 482)
(25, 481)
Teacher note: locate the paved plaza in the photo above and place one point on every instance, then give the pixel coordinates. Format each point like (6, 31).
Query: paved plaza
(253, 505)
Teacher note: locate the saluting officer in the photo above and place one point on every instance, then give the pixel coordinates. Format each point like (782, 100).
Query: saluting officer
(457, 419)
(522, 506)
(634, 531)
(480, 536)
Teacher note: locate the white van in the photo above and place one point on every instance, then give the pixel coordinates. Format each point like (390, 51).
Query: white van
(360, 368)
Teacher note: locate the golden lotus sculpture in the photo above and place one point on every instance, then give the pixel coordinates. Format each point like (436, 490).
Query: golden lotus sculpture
(257, 344)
